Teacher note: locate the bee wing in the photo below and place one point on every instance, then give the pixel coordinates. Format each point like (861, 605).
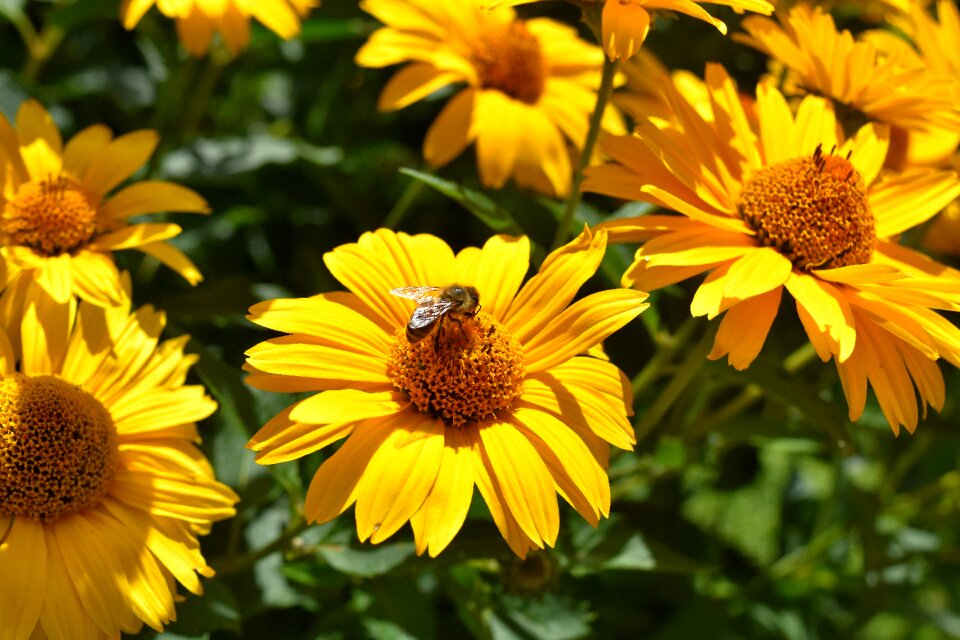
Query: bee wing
(429, 310)
(415, 293)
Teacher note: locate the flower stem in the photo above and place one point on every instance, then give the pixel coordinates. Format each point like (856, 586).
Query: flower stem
(685, 374)
(402, 207)
(748, 395)
(596, 119)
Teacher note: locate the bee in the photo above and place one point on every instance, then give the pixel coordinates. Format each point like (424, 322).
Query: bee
(436, 303)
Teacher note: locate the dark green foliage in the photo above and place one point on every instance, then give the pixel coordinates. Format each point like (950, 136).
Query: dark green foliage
(751, 507)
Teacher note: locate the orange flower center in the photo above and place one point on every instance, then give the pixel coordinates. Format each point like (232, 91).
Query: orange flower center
(466, 372)
(510, 60)
(812, 210)
(53, 216)
(58, 447)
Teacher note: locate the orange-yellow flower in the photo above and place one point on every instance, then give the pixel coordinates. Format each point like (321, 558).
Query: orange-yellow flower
(198, 20)
(103, 491)
(625, 23)
(865, 82)
(530, 86)
(504, 401)
(59, 225)
(793, 205)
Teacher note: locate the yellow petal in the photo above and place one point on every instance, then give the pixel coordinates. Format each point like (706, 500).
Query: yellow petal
(383, 260)
(450, 132)
(132, 10)
(119, 160)
(63, 616)
(497, 270)
(23, 565)
(906, 200)
(625, 27)
(55, 277)
(348, 405)
(547, 293)
(293, 440)
(584, 324)
(153, 196)
(84, 147)
(45, 330)
(398, 477)
(96, 279)
(116, 577)
(572, 465)
(756, 273)
(39, 139)
(445, 508)
(526, 483)
(828, 308)
(173, 495)
(335, 319)
(488, 484)
(161, 407)
(195, 32)
(334, 486)
(744, 329)
(413, 82)
(331, 366)
(172, 257)
(235, 28)
(276, 16)
(135, 235)
(497, 124)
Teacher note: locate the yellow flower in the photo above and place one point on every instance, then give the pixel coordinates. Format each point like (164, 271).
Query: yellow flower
(795, 206)
(102, 490)
(503, 400)
(197, 20)
(531, 85)
(643, 96)
(59, 227)
(865, 82)
(625, 23)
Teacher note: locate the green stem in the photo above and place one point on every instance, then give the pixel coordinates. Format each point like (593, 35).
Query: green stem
(596, 119)
(749, 395)
(667, 347)
(233, 565)
(684, 375)
(402, 207)
(40, 48)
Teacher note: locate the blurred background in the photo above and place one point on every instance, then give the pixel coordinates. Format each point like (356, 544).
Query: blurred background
(751, 507)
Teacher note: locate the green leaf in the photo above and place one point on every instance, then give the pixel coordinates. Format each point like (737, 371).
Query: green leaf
(367, 562)
(482, 207)
(12, 9)
(550, 617)
(75, 14)
(747, 518)
(216, 610)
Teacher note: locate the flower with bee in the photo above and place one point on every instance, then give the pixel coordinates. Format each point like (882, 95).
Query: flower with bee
(436, 303)
(502, 399)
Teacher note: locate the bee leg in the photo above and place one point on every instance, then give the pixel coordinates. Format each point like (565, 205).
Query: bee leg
(436, 335)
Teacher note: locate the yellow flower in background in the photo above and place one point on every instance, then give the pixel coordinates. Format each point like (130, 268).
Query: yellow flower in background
(642, 96)
(502, 400)
(937, 41)
(795, 206)
(865, 82)
(531, 86)
(102, 490)
(198, 20)
(625, 23)
(58, 223)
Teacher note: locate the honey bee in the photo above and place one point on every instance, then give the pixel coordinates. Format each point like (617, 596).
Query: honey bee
(436, 303)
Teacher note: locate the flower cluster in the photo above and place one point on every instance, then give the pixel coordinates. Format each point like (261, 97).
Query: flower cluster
(435, 372)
